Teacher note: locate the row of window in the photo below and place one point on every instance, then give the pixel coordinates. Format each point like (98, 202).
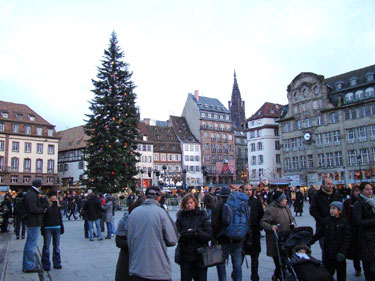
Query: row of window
(191, 147)
(16, 128)
(360, 112)
(219, 158)
(215, 116)
(192, 169)
(72, 155)
(361, 133)
(359, 95)
(26, 179)
(354, 81)
(360, 156)
(170, 168)
(328, 139)
(28, 147)
(169, 156)
(192, 158)
(219, 148)
(254, 162)
(19, 116)
(15, 163)
(259, 146)
(258, 133)
(65, 167)
(218, 137)
(215, 126)
(144, 147)
(294, 144)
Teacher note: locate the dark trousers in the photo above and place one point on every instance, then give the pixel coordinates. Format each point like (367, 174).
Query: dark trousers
(18, 224)
(254, 266)
(333, 265)
(86, 228)
(369, 270)
(136, 278)
(4, 226)
(71, 212)
(277, 271)
(192, 271)
(357, 265)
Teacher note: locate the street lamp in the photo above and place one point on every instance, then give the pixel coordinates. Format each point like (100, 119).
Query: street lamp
(141, 171)
(360, 169)
(184, 172)
(165, 173)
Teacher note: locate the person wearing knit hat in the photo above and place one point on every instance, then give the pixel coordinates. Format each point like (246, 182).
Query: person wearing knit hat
(337, 204)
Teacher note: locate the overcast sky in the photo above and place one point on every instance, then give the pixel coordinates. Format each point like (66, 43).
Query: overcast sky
(49, 50)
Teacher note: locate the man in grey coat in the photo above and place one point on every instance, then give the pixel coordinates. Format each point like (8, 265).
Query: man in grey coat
(150, 231)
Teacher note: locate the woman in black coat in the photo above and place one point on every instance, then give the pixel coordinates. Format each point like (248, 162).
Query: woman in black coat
(195, 232)
(298, 203)
(353, 253)
(364, 218)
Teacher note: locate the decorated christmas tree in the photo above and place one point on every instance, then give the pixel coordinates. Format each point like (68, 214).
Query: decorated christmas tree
(112, 126)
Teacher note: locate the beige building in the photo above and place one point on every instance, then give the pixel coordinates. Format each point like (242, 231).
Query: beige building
(28, 147)
(328, 128)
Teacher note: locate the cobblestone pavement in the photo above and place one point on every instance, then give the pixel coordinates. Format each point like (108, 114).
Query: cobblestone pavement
(83, 260)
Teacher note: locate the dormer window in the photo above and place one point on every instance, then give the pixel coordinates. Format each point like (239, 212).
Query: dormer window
(19, 116)
(50, 132)
(4, 114)
(349, 97)
(144, 138)
(370, 76)
(339, 85)
(31, 117)
(353, 81)
(359, 94)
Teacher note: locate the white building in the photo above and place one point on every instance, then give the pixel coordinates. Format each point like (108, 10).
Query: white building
(145, 166)
(263, 143)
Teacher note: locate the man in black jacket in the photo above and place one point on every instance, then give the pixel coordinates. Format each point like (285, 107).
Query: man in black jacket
(320, 203)
(92, 209)
(33, 221)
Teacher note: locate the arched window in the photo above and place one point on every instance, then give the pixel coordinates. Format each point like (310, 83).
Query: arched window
(349, 97)
(369, 92)
(359, 94)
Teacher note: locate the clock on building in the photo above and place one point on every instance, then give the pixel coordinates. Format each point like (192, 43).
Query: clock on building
(307, 136)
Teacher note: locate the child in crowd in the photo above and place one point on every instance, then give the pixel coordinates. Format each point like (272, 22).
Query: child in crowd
(336, 232)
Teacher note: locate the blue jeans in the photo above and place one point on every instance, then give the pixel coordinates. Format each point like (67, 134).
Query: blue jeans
(30, 244)
(109, 229)
(54, 235)
(98, 229)
(113, 226)
(235, 251)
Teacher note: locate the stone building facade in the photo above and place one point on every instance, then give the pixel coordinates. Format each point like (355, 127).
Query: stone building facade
(328, 128)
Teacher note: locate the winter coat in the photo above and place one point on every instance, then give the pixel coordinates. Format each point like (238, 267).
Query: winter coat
(6, 207)
(336, 233)
(53, 217)
(320, 205)
(92, 208)
(197, 220)
(19, 208)
(218, 229)
(150, 231)
(34, 208)
(122, 267)
(108, 211)
(298, 203)
(257, 212)
(276, 214)
(353, 252)
(364, 218)
(209, 201)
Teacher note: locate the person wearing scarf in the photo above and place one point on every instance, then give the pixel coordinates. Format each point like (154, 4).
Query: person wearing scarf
(364, 218)
(279, 218)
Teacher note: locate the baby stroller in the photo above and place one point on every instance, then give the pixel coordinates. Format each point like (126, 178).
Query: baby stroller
(294, 254)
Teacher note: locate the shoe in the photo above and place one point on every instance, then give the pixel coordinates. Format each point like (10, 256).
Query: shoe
(100, 239)
(33, 270)
(46, 269)
(57, 267)
(108, 238)
(18, 238)
(91, 239)
(357, 273)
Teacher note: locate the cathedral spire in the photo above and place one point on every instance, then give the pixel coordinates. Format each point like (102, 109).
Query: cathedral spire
(236, 105)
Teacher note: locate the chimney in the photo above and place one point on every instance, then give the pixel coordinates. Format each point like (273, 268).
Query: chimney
(196, 95)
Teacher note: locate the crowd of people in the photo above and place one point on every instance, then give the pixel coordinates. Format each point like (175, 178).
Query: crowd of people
(345, 228)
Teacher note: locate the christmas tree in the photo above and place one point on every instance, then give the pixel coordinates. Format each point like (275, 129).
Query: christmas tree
(112, 126)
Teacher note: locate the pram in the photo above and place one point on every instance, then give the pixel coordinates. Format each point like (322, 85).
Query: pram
(295, 266)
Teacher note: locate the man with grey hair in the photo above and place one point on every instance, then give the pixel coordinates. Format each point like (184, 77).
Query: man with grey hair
(150, 231)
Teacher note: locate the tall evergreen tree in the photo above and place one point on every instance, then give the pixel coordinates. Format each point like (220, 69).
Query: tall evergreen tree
(112, 126)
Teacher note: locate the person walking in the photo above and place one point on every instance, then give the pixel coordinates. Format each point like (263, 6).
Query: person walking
(6, 207)
(209, 201)
(364, 218)
(107, 215)
(52, 228)
(298, 202)
(33, 221)
(279, 218)
(19, 216)
(194, 228)
(92, 208)
(150, 230)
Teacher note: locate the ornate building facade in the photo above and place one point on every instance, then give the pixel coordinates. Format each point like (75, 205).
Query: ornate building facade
(328, 128)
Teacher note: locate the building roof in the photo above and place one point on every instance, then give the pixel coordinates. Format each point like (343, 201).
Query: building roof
(182, 130)
(73, 138)
(209, 104)
(164, 139)
(267, 110)
(360, 74)
(21, 113)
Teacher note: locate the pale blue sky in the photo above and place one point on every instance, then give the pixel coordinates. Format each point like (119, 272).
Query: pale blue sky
(49, 50)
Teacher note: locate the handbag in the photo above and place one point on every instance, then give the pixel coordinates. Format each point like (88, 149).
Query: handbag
(210, 256)
(177, 258)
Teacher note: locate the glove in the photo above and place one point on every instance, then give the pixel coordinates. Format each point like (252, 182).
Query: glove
(340, 257)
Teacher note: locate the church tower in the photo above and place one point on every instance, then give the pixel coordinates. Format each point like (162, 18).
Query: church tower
(237, 106)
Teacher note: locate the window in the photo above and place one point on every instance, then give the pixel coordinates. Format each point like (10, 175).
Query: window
(336, 137)
(186, 157)
(362, 133)
(27, 147)
(2, 127)
(15, 146)
(363, 152)
(260, 159)
(327, 139)
(197, 168)
(253, 160)
(286, 146)
(26, 179)
(276, 131)
(197, 157)
(319, 140)
(371, 129)
(39, 148)
(278, 158)
(295, 163)
(39, 131)
(27, 129)
(260, 146)
(353, 81)
(352, 155)
(321, 160)
(80, 165)
(369, 92)
(2, 145)
(15, 164)
(311, 161)
(51, 180)
(307, 122)
(51, 149)
(293, 144)
(329, 157)
(4, 114)
(156, 156)
(51, 166)
(66, 167)
(338, 158)
(15, 128)
(349, 97)
(303, 161)
(39, 165)
(288, 164)
(333, 118)
(359, 94)
(191, 157)
(298, 125)
(252, 147)
(1, 163)
(319, 120)
(31, 117)
(27, 165)
(14, 179)
(350, 135)
(277, 145)
(163, 157)
(230, 137)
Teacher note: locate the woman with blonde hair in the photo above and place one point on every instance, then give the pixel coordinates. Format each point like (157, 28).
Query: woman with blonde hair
(52, 228)
(195, 232)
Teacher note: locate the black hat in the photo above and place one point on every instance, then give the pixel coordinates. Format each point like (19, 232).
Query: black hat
(37, 183)
(278, 196)
(224, 191)
(52, 193)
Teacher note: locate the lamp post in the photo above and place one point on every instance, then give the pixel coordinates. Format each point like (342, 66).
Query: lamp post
(165, 173)
(184, 172)
(360, 169)
(141, 171)
(204, 175)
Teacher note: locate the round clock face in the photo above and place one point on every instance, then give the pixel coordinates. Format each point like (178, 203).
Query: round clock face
(307, 136)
